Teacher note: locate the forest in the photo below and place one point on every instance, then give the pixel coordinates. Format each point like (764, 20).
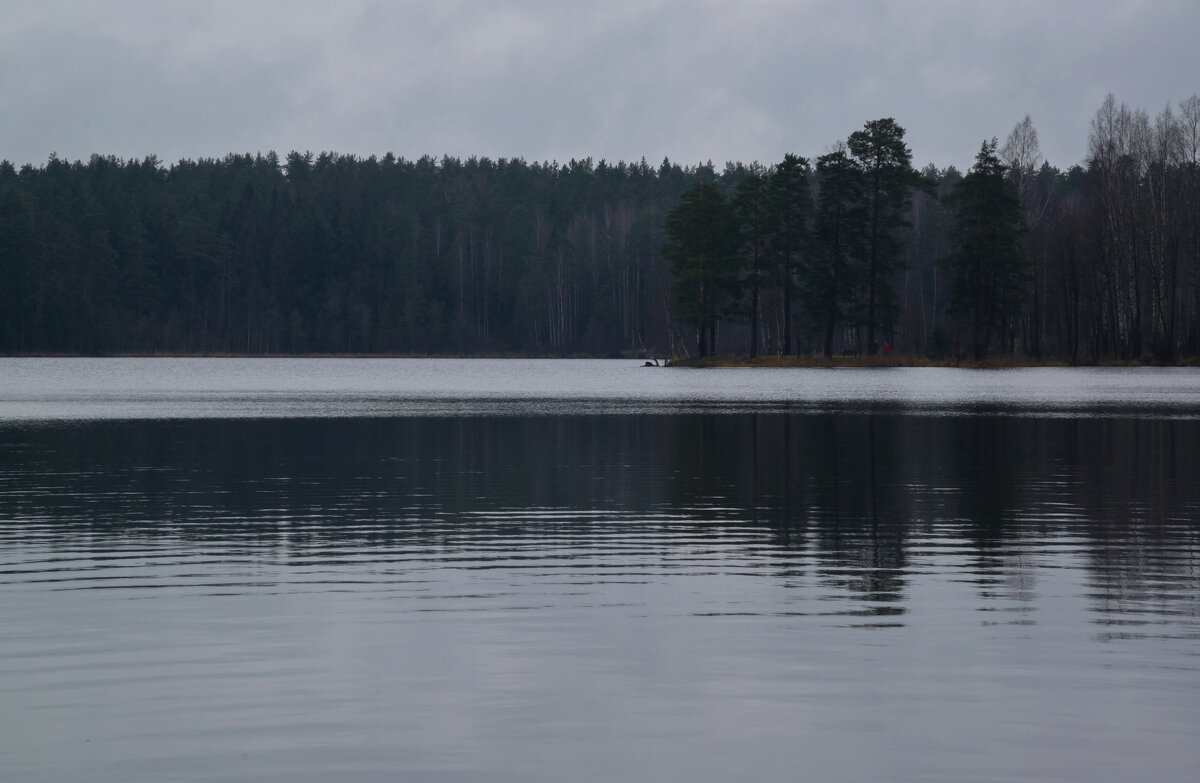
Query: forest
(843, 253)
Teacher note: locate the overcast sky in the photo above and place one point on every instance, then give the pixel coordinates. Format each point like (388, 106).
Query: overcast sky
(557, 79)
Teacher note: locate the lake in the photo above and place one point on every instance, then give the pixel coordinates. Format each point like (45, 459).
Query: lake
(519, 570)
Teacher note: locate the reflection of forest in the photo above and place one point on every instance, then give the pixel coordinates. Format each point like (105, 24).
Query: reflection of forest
(859, 493)
(860, 489)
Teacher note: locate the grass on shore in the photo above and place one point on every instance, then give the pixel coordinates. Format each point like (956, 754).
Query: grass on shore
(904, 360)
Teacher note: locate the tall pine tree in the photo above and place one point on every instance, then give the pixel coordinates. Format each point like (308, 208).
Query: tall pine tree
(987, 268)
(888, 181)
(702, 250)
(833, 274)
(789, 197)
(750, 208)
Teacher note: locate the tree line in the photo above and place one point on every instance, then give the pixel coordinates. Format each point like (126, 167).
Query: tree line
(1098, 262)
(334, 254)
(847, 252)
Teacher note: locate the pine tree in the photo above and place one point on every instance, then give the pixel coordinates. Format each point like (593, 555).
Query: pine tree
(750, 207)
(833, 275)
(702, 250)
(789, 204)
(888, 182)
(987, 269)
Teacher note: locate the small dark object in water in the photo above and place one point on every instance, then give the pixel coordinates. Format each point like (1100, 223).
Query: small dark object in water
(653, 363)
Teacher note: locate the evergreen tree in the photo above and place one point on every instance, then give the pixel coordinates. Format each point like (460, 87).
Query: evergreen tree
(750, 210)
(987, 268)
(840, 222)
(888, 181)
(790, 206)
(702, 250)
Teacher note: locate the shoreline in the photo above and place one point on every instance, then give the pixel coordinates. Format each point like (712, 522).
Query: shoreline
(727, 361)
(905, 360)
(222, 355)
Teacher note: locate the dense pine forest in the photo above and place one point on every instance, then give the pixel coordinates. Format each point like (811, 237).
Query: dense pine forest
(846, 252)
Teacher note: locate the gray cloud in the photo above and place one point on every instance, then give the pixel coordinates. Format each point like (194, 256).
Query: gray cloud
(737, 80)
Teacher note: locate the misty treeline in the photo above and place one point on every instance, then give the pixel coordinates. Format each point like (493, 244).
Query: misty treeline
(848, 251)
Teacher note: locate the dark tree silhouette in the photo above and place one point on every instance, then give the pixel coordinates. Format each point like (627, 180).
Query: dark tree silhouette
(840, 224)
(888, 182)
(702, 249)
(988, 270)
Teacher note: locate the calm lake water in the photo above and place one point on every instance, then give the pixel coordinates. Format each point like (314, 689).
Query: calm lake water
(377, 570)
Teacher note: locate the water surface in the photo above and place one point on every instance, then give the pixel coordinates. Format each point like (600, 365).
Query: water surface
(40, 389)
(701, 577)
